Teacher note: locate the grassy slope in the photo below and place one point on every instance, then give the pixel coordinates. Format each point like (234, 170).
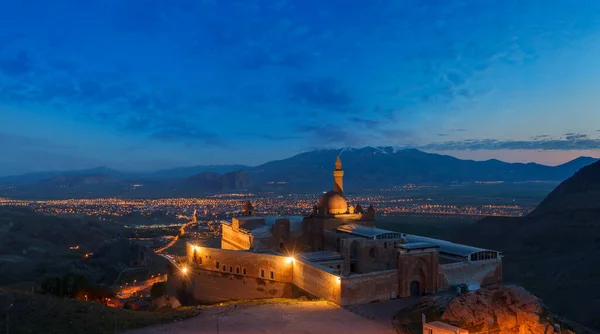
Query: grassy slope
(45, 314)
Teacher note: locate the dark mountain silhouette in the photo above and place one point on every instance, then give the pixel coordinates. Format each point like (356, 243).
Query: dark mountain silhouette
(555, 250)
(214, 182)
(379, 167)
(182, 172)
(75, 180)
(368, 168)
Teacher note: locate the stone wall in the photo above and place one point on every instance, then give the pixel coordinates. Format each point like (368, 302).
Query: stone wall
(216, 275)
(366, 288)
(248, 223)
(372, 255)
(239, 275)
(242, 263)
(232, 239)
(317, 282)
(486, 272)
(418, 271)
(203, 286)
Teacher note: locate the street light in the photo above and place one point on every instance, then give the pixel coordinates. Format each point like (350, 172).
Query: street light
(184, 270)
(7, 322)
(221, 304)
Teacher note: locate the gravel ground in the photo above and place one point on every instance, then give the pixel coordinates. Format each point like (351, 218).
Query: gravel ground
(299, 317)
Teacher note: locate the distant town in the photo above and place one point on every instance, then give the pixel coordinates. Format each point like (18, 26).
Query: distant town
(227, 204)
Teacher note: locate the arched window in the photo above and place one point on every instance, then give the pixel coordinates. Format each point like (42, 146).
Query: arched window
(372, 252)
(354, 246)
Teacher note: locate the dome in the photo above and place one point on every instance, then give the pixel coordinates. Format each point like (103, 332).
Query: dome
(333, 203)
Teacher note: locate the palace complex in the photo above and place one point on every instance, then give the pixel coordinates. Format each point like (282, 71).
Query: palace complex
(335, 253)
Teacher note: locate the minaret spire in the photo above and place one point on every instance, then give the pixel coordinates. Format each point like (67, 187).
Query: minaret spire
(338, 177)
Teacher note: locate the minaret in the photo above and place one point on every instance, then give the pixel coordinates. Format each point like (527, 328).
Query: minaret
(338, 177)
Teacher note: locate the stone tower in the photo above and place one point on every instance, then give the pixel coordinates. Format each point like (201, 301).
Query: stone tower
(338, 177)
(247, 209)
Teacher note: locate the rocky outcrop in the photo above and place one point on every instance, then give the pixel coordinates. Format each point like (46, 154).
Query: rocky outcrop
(511, 309)
(166, 301)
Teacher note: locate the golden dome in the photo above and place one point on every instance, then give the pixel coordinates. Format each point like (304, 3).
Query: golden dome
(332, 203)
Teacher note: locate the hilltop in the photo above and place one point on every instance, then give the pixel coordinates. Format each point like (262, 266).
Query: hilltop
(554, 250)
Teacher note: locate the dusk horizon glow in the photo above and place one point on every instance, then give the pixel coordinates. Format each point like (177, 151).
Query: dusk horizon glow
(160, 85)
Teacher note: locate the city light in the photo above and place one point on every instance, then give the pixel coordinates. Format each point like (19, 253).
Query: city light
(184, 270)
(290, 259)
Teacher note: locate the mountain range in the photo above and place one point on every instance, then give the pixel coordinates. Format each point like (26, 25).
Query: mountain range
(554, 251)
(365, 168)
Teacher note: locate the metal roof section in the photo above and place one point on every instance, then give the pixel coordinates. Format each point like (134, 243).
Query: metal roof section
(417, 245)
(368, 232)
(322, 256)
(448, 247)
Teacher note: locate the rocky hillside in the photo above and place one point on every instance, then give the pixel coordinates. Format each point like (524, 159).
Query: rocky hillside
(507, 310)
(554, 251)
(511, 310)
(579, 192)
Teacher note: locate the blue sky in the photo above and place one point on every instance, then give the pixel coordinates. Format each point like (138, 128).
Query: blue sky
(143, 85)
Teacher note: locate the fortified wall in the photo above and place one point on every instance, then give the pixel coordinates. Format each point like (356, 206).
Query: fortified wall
(217, 275)
(486, 272)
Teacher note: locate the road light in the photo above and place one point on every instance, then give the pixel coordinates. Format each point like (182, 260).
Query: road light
(290, 259)
(7, 321)
(184, 270)
(218, 310)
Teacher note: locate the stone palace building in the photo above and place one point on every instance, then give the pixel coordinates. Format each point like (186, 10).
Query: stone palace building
(336, 253)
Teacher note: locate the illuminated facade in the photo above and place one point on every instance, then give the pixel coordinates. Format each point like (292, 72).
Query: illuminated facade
(335, 253)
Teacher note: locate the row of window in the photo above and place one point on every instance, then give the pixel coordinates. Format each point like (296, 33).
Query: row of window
(243, 271)
(271, 274)
(237, 269)
(484, 255)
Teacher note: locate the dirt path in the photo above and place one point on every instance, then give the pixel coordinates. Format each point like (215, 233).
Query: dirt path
(297, 317)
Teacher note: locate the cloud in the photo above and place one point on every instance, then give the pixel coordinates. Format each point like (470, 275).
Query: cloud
(258, 60)
(188, 135)
(329, 134)
(21, 141)
(366, 122)
(576, 142)
(16, 65)
(538, 137)
(320, 93)
(576, 136)
(107, 98)
(269, 137)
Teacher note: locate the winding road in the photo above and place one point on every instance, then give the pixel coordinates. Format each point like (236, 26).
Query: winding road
(172, 242)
